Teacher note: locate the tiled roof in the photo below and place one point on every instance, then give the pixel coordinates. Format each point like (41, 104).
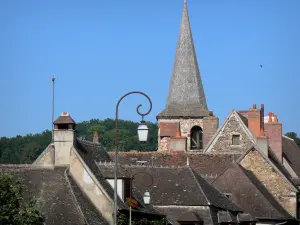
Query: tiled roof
(291, 153)
(52, 192)
(90, 212)
(207, 165)
(249, 194)
(174, 186)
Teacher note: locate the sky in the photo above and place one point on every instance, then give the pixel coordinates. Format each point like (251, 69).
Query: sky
(99, 50)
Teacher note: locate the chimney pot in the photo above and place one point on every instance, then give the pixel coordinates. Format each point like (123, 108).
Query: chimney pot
(254, 106)
(96, 137)
(270, 120)
(276, 119)
(262, 106)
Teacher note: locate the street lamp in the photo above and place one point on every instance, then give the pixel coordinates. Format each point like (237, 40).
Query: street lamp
(146, 196)
(142, 134)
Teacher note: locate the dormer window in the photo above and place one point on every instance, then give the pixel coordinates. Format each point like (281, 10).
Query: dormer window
(235, 139)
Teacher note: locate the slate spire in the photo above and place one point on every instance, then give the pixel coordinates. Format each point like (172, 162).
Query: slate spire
(186, 94)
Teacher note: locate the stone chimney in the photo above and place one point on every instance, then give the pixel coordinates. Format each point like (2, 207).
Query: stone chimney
(273, 130)
(96, 137)
(64, 137)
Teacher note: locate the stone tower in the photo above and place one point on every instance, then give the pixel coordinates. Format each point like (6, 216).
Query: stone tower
(185, 123)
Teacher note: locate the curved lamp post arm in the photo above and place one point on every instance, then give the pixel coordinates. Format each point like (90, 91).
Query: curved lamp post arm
(117, 142)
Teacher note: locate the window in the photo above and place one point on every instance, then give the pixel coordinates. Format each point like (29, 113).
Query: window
(236, 139)
(196, 138)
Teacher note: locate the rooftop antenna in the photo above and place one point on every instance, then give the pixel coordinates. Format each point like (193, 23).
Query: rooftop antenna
(53, 81)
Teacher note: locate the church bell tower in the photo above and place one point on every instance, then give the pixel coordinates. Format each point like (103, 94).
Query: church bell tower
(185, 124)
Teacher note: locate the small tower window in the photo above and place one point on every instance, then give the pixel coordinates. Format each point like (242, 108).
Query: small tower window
(196, 138)
(236, 139)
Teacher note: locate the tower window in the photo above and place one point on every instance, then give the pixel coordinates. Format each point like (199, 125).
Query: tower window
(236, 139)
(196, 138)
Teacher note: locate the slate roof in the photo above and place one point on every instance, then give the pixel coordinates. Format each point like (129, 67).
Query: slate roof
(174, 186)
(90, 212)
(54, 195)
(291, 153)
(186, 94)
(207, 165)
(249, 194)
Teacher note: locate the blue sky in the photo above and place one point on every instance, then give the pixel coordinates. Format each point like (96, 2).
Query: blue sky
(99, 50)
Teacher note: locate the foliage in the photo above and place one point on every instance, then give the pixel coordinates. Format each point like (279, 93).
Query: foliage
(25, 149)
(131, 202)
(123, 220)
(294, 136)
(14, 209)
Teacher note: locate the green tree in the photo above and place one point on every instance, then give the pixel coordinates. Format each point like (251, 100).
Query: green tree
(294, 136)
(14, 209)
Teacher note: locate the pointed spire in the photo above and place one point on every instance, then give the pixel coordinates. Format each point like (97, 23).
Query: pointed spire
(186, 94)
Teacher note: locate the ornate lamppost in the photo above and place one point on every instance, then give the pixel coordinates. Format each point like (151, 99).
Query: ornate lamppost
(142, 134)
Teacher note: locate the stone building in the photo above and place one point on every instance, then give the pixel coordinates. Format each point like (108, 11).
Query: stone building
(185, 123)
(243, 172)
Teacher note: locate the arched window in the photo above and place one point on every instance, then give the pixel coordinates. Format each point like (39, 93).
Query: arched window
(196, 138)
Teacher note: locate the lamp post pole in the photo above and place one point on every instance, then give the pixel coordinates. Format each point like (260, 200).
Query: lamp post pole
(132, 177)
(116, 149)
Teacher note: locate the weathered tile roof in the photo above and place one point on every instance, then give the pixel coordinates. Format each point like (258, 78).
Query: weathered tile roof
(174, 186)
(207, 165)
(186, 96)
(249, 194)
(91, 214)
(51, 190)
(291, 153)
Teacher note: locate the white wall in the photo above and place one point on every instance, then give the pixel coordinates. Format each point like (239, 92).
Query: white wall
(120, 186)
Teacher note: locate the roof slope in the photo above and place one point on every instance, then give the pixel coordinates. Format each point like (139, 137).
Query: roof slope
(174, 186)
(249, 193)
(291, 153)
(90, 212)
(186, 94)
(51, 190)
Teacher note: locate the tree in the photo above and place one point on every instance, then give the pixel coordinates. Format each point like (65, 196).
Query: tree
(294, 136)
(14, 209)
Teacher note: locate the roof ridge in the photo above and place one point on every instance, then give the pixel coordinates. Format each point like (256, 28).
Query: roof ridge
(88, 142)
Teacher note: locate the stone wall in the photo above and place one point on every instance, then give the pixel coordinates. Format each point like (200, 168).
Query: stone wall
(89, 184)
(46, 158)
(223, 142)
(282, 191)
(210, 126)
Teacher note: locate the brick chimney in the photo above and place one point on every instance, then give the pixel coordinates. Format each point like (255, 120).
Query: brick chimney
(273, 130)
(96, 137)
(255, 119)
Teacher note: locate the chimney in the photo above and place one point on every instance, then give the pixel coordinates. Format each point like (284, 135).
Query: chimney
(96, 137)
(273, 130)
(64, 138)
(262, 142)
(255, 120)
(178, 131)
